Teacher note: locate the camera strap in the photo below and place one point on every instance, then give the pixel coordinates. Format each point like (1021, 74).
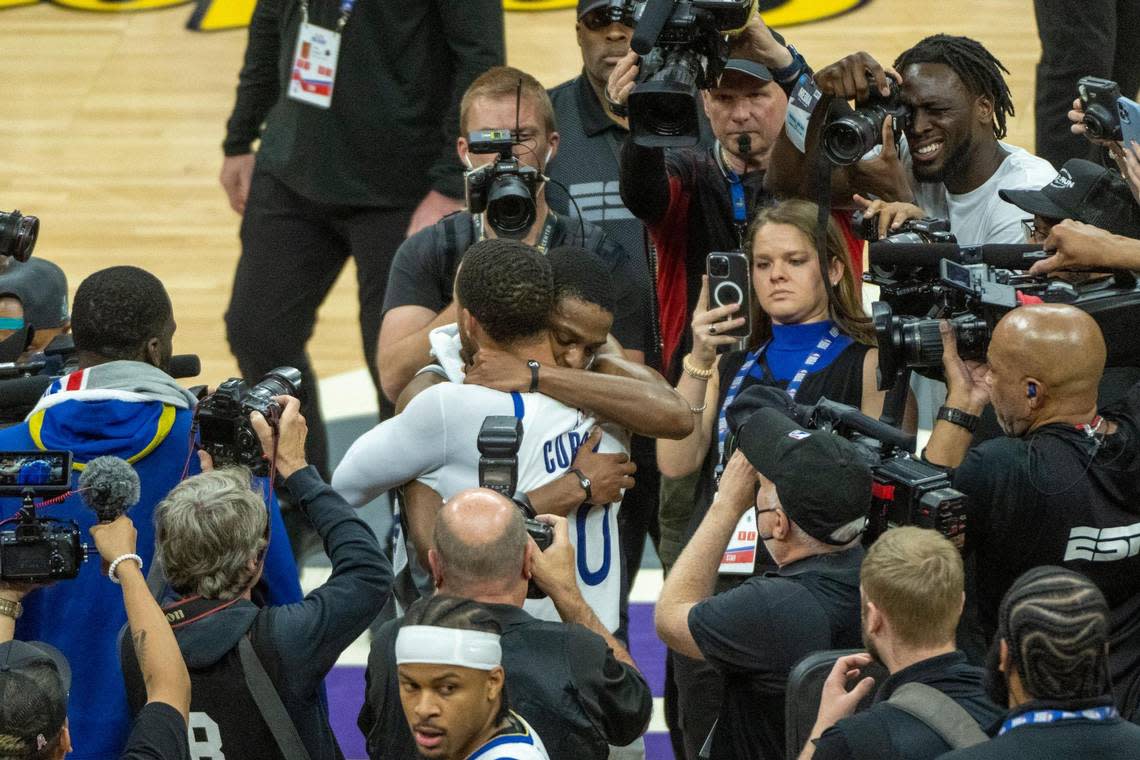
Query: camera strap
(544, 237)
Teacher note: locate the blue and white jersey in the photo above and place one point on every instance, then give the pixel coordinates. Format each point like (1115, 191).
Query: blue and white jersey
(520, 744)
(434, 441)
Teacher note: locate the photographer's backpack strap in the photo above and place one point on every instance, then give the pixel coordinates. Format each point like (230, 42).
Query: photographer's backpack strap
(268, 701)
(940, 713)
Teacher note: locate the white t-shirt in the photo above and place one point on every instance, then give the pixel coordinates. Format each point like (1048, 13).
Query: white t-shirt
(525, 745)
(434, 441)
(981, 216)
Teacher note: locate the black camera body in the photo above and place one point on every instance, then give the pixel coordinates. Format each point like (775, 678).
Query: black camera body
(912, 231)
(18, 234)
(38, 549)
(1098, 100)
(504, 188)
(223, 418)
(846, 139)
(906, 491)
(683, 48)
(498, 443)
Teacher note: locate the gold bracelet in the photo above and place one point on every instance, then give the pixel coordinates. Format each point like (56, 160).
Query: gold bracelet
(11, 609)
(694, 371)
(699, 409)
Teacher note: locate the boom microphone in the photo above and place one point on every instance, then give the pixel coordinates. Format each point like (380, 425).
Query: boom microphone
(184, 365)
(1007, 256)
(110, 487)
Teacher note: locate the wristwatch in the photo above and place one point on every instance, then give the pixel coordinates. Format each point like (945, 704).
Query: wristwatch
(584, 482)
(534, 367)
(11, 609)
(959, 418)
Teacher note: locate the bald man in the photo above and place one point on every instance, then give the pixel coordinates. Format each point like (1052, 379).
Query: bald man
(573, 681)
(1063, 486)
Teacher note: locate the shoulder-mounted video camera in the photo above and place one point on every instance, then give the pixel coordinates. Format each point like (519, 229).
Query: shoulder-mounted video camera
(504, 188)
(223, 418)
(683, 46)
(498, 443)
(37, 549)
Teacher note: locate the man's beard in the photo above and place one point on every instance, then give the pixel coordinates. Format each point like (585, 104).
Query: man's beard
(996, 685)
(954, 165)
(467, 348)
(869, 645)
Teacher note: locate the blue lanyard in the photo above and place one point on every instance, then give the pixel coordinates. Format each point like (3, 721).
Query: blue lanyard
(736, 191)
(1039, 717)
(793, 386)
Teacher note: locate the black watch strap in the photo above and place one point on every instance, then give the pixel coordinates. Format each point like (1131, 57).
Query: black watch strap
(584, 482)
(959, 418)
(534, 367)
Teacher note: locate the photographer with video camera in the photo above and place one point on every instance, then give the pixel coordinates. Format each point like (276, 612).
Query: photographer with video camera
(505, 296)
(507, 137)
(120, 403)
(212, 535)
(573, 681)
(806, 495)
(1062, 487)
(933, 125)
(35, 678)
(911, 585)
(800, 341)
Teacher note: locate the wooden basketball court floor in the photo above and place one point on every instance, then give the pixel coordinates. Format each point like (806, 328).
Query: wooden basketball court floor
(111, 125)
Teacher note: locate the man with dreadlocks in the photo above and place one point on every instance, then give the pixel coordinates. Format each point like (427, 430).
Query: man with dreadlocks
(951, 162)
(1062, 487)
(1049, 662)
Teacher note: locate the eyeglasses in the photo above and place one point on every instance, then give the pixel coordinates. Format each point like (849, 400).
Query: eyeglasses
(600, 18)
(1035, 232)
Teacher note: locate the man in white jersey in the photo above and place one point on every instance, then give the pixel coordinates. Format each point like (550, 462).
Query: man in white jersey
(504, 293)
(452, 685)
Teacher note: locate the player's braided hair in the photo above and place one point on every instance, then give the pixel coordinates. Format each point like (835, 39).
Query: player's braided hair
(507, 286)
(1055, 622)
(978, 69)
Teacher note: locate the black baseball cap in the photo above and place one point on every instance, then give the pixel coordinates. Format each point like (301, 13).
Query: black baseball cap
(750, 68)
(822, 479)
(34, 681)
(1086, 192)
(41, 287)
(585, 6)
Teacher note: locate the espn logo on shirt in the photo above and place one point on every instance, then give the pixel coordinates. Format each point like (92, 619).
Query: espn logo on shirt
(600, 201)
(1103, 544)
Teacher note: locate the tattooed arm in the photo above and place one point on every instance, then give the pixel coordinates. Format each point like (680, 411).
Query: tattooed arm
(159, 658)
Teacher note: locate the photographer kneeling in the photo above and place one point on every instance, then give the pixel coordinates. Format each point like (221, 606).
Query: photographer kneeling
(211, 536)
(1063, 486)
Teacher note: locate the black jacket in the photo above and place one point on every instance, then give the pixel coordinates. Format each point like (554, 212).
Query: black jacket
(896, 734)
(298, 644)
(561, 678)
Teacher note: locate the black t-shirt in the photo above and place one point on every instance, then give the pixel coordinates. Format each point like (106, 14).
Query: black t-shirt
(882, 732)
(755, 633)
(423, 271)
(159, 733)
(1054, 497)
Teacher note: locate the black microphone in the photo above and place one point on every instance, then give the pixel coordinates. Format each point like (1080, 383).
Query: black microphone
(184, 365)
(1002, 256)
(853, 419)
(649, 26)
(109, 486)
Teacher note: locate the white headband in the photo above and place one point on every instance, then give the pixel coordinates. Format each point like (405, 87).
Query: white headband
(433, 645)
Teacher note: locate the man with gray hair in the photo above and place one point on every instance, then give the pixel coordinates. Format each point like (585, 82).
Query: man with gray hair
(1049, 663)
(573, 681)
(811, 492)
(211, 535)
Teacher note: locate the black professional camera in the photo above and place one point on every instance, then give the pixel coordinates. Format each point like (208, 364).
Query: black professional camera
(498, 443)
(846, 139)
(18, 234)
(223, 417)
(38, 549)
(683, 49)
(1098, 100)
(504, 188)
(905, 491)
(974, 287)
(925, 230)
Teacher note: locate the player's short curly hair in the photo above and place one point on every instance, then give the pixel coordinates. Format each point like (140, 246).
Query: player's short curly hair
(117, 310)
(508, 287)
(579, 273)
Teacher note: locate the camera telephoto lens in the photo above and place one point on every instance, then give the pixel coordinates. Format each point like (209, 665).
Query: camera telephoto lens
(18, 235)
(510, 207)
(849, 138)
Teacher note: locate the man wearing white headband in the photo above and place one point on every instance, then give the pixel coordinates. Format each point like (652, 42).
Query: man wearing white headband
(452, 685)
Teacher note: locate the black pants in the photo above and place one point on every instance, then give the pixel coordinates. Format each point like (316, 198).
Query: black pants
(293, 249)
(1080, 38)
(699, 691)
(638, 515)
